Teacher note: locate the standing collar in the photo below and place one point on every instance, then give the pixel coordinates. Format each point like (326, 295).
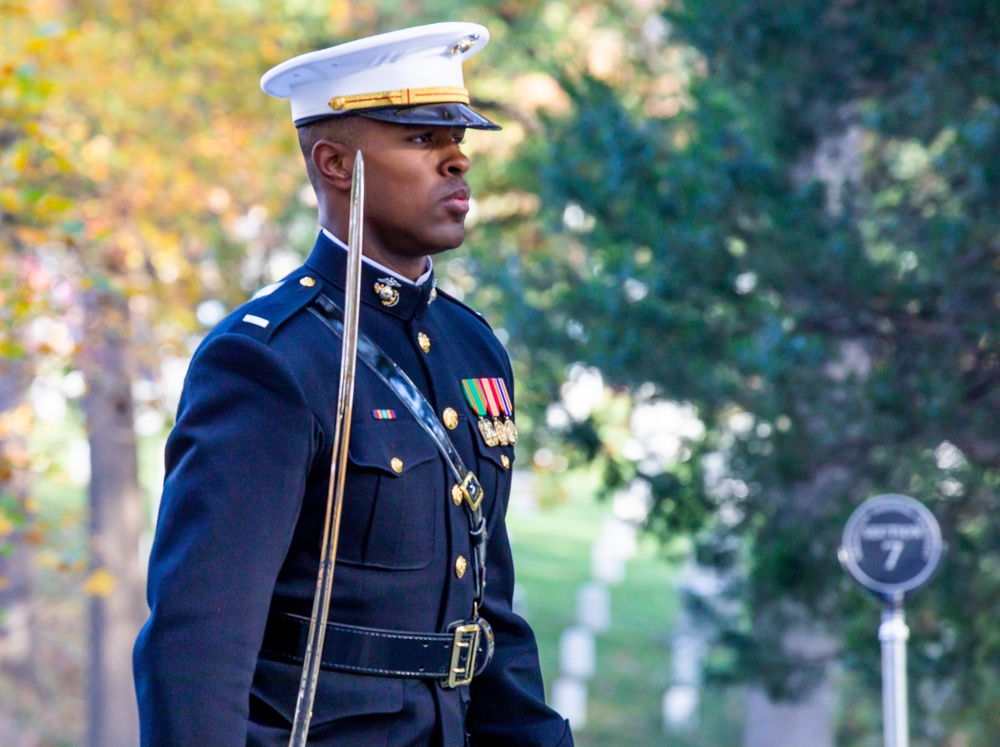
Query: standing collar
(380, 288)
(382, 268)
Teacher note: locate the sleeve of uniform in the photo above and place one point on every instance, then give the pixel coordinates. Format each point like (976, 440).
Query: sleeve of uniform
(507, 704)
(237, 462)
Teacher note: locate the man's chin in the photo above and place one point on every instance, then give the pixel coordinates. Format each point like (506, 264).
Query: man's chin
(446, 241)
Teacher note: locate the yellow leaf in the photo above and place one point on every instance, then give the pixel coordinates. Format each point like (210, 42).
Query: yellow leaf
(100, 583)
(10, 200)
(46, 559)
(19, 160)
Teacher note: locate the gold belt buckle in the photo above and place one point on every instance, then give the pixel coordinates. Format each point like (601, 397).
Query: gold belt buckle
(463, 655)
(472, 491)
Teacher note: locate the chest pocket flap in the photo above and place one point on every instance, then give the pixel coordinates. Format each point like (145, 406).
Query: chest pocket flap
(393, 496)
(391, 446)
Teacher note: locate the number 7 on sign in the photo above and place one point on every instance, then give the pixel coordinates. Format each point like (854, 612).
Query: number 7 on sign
(895, 548)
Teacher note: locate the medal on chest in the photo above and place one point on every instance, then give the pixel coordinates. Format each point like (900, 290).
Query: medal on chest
(490, 401)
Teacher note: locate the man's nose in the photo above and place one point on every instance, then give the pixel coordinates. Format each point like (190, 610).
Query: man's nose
(456, 163)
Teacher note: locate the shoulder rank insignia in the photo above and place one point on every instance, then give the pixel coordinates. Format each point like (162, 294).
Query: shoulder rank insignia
(386, 290)
(489, 399)
(267, 290)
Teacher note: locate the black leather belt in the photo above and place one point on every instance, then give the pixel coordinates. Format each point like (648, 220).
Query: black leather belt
(453, 657)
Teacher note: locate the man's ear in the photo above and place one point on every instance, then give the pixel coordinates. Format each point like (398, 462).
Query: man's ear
(334, 163)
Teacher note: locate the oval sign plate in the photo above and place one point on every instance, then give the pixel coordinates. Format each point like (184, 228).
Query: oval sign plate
(891, 544)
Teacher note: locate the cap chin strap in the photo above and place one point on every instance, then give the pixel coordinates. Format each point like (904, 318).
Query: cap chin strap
(401, 97)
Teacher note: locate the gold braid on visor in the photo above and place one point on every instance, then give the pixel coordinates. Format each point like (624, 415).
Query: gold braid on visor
(401, 97)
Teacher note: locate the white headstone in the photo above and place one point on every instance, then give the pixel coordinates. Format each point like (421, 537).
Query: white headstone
(569, 698)
(523, 492)
(680, 708)
(620, 536)
(606, 563)
(593, 606)
(577, 652)
(519, 603)
(687, 654)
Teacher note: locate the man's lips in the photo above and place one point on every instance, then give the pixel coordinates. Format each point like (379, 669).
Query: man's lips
(458, 199)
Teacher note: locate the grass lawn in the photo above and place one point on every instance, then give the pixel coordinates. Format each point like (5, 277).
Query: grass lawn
(551, 548)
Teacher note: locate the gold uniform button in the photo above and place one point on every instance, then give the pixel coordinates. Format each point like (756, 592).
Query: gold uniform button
(450, 418)
(424, 341)
(307, 281)
(397, 465)
(456, 494)
(460, 565)
(505, 461)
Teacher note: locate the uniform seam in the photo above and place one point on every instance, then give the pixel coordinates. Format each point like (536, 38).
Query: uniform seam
(468, 309)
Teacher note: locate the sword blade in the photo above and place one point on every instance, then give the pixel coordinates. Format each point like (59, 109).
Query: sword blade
(338, 465)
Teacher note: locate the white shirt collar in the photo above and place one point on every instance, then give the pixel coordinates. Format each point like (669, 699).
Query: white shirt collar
(382, 268)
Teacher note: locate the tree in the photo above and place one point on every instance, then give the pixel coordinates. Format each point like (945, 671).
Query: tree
(27, 216)
(103, 95)
(808, 254)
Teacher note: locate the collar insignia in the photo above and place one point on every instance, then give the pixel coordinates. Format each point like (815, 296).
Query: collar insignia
(386, 290)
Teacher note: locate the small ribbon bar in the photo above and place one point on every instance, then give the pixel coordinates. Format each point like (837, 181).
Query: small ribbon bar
(384, 414)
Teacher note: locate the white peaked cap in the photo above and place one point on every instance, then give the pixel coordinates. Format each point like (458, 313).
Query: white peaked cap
(386, 76)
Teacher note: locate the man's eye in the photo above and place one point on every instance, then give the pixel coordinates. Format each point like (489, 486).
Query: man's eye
(459, 139)
(424, 138)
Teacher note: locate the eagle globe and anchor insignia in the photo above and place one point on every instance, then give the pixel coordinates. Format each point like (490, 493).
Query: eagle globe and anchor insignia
(386, 290)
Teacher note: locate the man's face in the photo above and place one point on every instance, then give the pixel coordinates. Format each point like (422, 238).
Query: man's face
(416, 196)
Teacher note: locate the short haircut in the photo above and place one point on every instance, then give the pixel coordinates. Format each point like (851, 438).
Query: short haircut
(344, 129)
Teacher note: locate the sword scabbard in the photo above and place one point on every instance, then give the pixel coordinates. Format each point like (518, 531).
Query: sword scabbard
(338, 465)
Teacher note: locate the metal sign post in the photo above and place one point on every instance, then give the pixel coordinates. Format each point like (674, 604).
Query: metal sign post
(892, 545)
(893, 633)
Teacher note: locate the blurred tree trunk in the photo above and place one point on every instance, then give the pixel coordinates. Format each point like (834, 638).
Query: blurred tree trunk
(806, 722)
(16, 610)
(117, 606)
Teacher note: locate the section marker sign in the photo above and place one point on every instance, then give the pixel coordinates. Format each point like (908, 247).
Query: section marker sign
(891, 545)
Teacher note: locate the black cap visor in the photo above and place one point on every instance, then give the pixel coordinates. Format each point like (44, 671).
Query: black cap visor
(433, 115)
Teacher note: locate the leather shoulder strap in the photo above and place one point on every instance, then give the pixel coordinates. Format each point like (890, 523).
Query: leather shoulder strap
(386, 369)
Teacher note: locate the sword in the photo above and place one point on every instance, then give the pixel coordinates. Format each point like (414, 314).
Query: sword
(338, 465)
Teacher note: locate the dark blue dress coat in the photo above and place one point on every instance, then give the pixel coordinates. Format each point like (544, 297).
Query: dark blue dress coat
(240, 524)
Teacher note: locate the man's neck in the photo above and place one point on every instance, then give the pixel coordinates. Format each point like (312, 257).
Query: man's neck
(419, 279)
(409, 267)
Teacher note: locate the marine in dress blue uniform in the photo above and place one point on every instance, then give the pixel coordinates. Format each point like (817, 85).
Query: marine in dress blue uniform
(233, 568)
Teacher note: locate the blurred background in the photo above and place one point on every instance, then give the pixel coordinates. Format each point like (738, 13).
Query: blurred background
(744, 256)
